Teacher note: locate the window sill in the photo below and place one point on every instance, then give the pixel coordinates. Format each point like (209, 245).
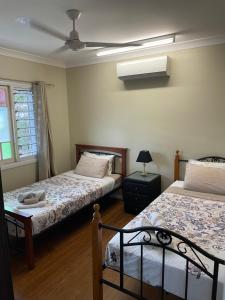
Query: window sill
(18, 164)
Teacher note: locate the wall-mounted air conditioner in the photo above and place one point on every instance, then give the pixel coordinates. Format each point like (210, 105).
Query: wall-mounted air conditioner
(152, 67)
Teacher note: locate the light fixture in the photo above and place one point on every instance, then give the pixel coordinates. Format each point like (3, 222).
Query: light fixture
(154, 42)
(144, 157)
(159, 42)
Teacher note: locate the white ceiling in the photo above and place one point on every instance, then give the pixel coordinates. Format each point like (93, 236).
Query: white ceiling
(107, 21)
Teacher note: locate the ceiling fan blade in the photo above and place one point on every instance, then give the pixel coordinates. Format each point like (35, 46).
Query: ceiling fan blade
(47, 30)
(60, 50)
(99, 44)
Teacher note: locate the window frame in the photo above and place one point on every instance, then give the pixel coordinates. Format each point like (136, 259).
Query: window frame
(8, 100)
(11, 86)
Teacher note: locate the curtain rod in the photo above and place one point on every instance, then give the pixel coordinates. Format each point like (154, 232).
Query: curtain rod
(26, 81)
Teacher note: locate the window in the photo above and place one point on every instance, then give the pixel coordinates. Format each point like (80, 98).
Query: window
(17, 123)
(25, 122)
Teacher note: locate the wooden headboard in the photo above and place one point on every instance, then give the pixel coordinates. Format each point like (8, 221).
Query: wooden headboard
(178, 160)
(118, 152)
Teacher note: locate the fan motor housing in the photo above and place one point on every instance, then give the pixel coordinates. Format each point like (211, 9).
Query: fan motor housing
(75, 44)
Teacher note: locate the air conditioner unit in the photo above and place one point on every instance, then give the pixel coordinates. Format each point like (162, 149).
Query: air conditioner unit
(153, 67)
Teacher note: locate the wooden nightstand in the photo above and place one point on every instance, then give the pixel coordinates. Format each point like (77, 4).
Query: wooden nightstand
(139, 191)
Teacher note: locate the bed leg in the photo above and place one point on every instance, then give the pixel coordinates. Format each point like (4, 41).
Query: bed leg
(97, 269)
(29, 243)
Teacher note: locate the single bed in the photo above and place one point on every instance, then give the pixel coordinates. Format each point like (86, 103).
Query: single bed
(185, 258)
(65, 194)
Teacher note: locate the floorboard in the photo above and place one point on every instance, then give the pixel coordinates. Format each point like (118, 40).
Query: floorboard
(63, 261)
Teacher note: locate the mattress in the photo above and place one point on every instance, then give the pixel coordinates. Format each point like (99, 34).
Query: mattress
(65, 194)
(201, 221)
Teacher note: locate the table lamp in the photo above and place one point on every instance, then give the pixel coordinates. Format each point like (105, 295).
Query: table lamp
(144, 157)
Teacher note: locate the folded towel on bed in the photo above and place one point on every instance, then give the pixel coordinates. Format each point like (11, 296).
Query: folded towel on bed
(35, 205)
(30, 200)
(37, 195)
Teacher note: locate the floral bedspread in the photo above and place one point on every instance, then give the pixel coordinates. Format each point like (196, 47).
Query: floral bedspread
(199, 220)
(65, 194)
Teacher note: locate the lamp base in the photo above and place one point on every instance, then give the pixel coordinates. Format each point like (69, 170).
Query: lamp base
(144, 174)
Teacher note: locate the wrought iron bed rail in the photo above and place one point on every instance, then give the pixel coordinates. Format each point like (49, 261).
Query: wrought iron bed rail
(178, 160)
(164, 239)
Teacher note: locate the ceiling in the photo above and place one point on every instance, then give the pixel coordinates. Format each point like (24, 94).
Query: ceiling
(107, 21)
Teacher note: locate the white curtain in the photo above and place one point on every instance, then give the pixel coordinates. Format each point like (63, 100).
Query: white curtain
(45, 154)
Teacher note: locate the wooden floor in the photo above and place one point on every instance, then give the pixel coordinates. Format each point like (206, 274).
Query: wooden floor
(63, 261)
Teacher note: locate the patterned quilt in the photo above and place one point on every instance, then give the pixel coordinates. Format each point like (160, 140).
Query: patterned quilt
(65, 194)
(199, 220)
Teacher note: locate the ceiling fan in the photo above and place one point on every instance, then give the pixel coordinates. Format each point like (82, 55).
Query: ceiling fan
(72, 41)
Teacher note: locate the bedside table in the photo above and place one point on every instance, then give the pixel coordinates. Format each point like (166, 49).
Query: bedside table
(139, 191)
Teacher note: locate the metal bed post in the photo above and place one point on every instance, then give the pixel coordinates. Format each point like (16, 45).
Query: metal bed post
(215, 280)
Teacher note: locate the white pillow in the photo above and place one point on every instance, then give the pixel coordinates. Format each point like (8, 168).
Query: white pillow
(207, 164)
(204, 179)
(91, 167)
(109, 158)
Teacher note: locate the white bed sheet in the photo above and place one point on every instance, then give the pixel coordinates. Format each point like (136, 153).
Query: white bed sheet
(174, 267)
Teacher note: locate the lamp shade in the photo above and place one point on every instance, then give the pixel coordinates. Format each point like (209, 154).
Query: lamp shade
(144, 156)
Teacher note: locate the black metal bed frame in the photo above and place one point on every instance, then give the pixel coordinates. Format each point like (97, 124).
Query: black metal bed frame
(164, 240)
(216, 159)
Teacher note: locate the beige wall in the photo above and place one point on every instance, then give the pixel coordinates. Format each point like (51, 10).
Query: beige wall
(58, 111)
(186, 112)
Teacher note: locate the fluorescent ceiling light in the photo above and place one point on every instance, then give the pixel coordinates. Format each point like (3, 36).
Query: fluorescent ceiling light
(159, 42)
(146, 44)
(117, 50)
